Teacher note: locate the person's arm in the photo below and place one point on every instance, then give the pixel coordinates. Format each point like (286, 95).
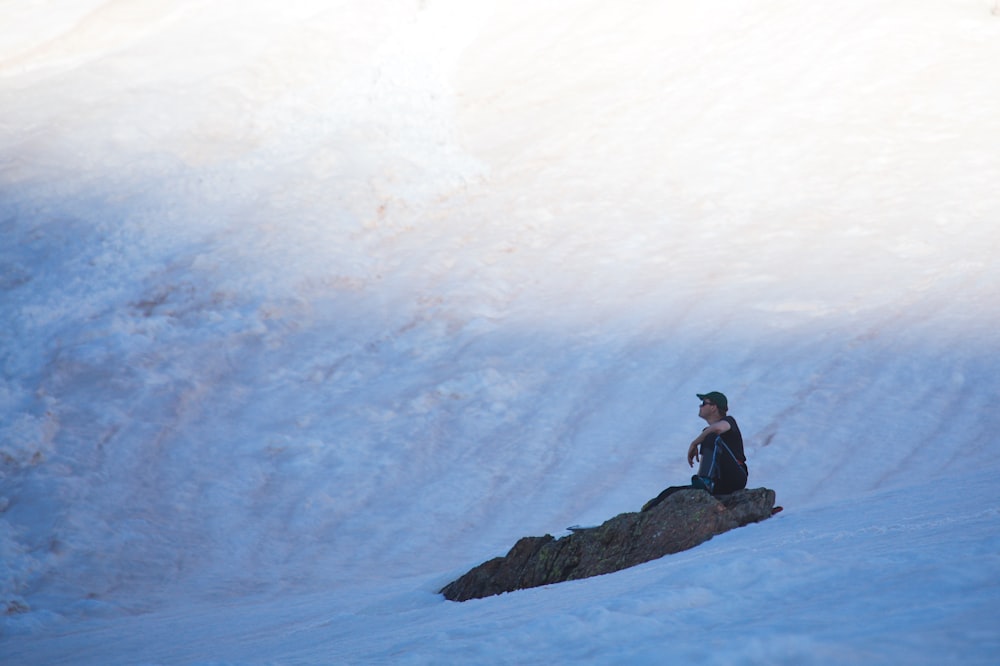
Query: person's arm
(716, 428)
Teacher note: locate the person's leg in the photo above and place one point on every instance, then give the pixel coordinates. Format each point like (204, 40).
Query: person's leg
(721, 473)
(662, 496)
(708, 469)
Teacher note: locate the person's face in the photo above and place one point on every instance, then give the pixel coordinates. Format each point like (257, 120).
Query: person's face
(706, 409)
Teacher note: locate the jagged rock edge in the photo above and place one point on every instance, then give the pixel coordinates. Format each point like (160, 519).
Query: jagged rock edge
(535, 567)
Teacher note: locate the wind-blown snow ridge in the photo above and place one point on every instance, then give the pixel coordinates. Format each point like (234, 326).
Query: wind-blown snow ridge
(308, 311)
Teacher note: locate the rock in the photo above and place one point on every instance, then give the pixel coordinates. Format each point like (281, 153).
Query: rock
(682, 521)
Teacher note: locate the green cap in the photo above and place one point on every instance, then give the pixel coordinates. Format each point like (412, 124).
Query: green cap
(715, 398)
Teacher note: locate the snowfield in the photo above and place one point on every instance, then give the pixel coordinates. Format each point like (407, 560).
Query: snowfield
(308, 309)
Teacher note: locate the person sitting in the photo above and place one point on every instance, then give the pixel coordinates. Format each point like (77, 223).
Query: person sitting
(722, 467)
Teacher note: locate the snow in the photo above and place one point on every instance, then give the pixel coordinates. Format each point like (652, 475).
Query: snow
(310, 310)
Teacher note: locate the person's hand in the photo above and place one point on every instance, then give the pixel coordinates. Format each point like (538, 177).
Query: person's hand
(693, 454)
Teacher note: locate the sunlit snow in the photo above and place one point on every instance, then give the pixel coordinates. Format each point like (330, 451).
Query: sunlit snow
(310, 307)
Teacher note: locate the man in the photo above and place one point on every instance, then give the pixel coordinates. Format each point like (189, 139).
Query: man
(722, 467)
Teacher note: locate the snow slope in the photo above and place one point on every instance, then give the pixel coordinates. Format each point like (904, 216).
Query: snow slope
(309, 310)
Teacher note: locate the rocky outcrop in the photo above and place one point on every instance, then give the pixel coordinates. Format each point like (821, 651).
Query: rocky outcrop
(683, 520)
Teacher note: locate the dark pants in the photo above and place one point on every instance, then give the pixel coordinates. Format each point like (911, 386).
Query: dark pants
(719, 465)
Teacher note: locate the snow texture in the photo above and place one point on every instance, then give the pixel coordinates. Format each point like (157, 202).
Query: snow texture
(310, 307)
